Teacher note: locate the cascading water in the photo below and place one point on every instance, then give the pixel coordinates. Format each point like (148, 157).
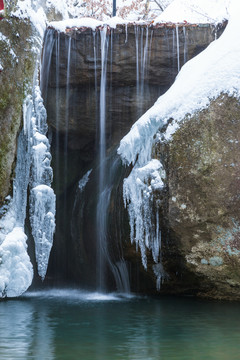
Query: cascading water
(104, 193)
(88, 81)
(57, 46)
(104, 261)
(68, 45)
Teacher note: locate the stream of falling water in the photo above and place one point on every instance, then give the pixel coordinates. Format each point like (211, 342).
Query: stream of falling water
(57, 44)
(103, 194)
(66, 122)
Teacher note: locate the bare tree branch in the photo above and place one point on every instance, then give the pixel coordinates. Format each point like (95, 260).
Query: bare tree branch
(158, 4)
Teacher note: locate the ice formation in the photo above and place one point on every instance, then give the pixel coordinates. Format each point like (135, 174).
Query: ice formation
(42, 197)
(84, 180)
(33, 169)
(216, 70)
(138, 191)
(16, 270)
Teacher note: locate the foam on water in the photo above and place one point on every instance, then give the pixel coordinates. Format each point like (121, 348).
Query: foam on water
(77, 295)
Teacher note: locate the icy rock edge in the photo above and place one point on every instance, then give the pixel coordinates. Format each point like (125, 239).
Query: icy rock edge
(216, 70)
(32, 169)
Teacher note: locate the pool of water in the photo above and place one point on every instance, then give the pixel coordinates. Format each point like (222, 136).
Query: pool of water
(70, 324)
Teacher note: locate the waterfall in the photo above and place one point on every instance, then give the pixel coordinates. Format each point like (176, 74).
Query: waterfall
(48, 42)
(67, 104)
(103, 196)
(57, 50)
(185, 57)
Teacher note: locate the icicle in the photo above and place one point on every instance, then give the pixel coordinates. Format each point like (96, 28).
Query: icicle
(144, 57)
(42, 197)
(178, 55)
(138, 198)
(16, 272)
(126, 31)
(185, 45)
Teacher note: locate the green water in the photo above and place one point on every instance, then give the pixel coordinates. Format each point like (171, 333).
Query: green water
(74, 325)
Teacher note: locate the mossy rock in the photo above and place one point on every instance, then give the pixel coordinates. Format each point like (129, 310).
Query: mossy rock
(203, 202)
(18, 54)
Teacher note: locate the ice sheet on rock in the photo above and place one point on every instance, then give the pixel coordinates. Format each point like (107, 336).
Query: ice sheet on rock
(138, 191)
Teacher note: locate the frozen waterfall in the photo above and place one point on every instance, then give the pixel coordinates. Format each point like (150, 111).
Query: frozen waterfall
(42, 197)
(32, 169)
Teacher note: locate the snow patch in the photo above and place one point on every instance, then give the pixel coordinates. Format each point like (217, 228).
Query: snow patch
(15, 267)
(76, 23)
(36, 14)
(195, 12)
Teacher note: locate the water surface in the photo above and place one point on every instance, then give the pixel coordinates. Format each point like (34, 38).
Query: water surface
(70, 324)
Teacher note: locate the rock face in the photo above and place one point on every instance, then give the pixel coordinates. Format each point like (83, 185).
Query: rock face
(20, 47)
(202, 254)
(18, 64)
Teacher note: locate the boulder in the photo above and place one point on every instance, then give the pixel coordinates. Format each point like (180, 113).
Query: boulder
(202, 249)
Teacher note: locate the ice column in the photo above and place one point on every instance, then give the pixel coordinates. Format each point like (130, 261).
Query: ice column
(42, 197)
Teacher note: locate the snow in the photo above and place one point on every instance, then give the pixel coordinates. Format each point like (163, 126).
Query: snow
(116, 20)
(60, 6)
(16, 271)
(195, 12)
(35, 13)
(88, 23)
(77, 23)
